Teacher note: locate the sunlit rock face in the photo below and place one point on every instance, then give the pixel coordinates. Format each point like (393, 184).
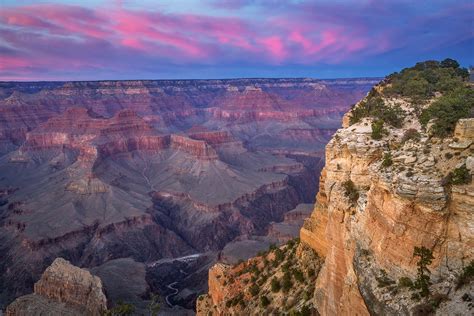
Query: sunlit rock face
(95, 171)
(62, 290)
(398, 207)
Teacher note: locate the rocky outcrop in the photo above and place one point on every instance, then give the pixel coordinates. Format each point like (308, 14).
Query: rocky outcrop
(398, 206)
(198, 148)
(392, 183)
(248, 288)
(63, 289)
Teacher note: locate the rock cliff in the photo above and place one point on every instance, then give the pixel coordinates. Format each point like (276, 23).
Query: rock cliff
(379, 198)
(396, 191)
(62, 290)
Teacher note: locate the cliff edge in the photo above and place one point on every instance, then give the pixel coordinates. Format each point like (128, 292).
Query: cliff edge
(393, 224)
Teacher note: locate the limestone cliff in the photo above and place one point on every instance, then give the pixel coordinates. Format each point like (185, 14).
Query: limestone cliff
(398, 175)
(379, 199)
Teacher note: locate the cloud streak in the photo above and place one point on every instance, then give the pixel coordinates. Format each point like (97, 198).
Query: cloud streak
(56, 41)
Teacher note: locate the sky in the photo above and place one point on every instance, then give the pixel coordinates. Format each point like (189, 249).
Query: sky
(190, 39)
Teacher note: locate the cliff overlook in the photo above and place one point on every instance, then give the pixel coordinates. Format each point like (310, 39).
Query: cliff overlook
(392, 227)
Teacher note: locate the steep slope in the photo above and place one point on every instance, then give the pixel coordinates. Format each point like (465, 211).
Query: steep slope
(396, 189)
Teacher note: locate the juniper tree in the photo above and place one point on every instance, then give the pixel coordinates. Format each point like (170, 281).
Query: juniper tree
(423, 276)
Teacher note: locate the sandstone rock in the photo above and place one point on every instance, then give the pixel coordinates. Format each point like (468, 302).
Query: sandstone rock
(461, 144)
(464, 130)
(62, 289)
(401, 212)
(470, 164)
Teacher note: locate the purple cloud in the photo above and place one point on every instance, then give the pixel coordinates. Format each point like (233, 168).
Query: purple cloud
(56, 41)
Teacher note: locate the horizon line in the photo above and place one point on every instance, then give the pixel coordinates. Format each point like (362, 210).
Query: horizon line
(189, 79)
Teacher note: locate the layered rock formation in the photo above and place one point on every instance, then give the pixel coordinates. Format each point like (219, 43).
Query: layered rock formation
(399, 206)
(62, 290)
(98, 171)
(394, 181)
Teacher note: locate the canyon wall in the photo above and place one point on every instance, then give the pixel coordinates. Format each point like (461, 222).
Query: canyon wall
(373, 236)
(395, 190)
(108, 170)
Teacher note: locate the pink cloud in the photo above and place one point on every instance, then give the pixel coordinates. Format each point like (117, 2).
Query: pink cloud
(274, 45)
(177, 38)
(59, 37)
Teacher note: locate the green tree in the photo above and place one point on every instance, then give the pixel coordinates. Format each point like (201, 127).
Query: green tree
(449, 63)
(422, 281)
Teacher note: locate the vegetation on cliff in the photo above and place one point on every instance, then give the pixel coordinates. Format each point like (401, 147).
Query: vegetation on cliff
(280, 280)
(444, 83)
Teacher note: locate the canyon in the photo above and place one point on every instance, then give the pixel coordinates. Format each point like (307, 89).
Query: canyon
(395, 197)
(137, 175)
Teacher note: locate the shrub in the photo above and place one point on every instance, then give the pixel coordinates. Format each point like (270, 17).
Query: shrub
(279, 255)
(377, 130)
(422, 281)
(466, 276)
(254, 289)
(121, 309)
(275, 284)
(298, 275)
(286, 282)
(264, 301)
(375, 107)
(460, 175)
(411, 134)
(409, 173)
(448, 109)
(350, 191)
(405, 282)
(387, 160)
(448, 155)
